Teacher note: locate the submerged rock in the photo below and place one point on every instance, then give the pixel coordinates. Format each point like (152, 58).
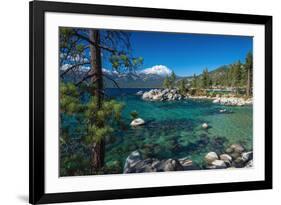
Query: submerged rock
(137, 122)
(205, 125)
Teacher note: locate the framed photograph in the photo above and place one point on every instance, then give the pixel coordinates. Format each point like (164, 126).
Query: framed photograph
(140, 102)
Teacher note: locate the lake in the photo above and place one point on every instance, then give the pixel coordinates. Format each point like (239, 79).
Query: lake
(174, 129)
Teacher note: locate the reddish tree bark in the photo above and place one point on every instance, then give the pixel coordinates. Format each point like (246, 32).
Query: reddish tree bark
(98, 148)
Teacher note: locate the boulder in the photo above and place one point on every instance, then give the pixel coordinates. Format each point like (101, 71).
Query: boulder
(237, 148)
(172, 165)
(239, 162)
(247, 156)
(205, 126)
(139, 92)
(233, 101)
(210, 157)
(131, 161)
(137, 122)
(162, 95)
(226, 158)
(235, 155)
(249, 164)
(187, 164)
(144, 166)
(218, 164)
(229, 150)
(156, 164)
(235, 151)
(216, 100)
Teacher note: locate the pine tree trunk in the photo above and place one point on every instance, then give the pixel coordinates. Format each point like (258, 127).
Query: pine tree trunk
(248, 92)
(98, 148)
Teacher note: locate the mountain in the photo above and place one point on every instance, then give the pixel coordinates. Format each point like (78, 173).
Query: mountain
(148, 78)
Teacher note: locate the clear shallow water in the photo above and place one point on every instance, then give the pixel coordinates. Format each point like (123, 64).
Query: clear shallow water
(173, 129)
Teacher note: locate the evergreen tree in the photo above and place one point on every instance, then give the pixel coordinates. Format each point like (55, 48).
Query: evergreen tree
(206, 79)
(167, 82)
(237, 74)
(87, 47)
(173, 79)
(249, 70)
(194, 82)
(182, 87)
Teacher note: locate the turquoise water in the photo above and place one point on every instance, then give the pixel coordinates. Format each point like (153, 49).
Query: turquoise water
(173, 129)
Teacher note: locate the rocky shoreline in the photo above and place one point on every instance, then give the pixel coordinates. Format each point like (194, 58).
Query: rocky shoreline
(235, 156)
(174, 94)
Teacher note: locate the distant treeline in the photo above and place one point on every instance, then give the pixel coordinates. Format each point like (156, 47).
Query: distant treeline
(237, 75)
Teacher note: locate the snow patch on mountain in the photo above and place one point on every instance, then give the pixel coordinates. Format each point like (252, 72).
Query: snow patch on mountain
(161, 70)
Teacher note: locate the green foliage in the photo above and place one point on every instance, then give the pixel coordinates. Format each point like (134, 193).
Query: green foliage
(69, 99)
(95, 124)
(167, 83)
(194, 83)
(237, 76)
(134, 114)
(182, 87)
(197, 92)
(102, 119)
(170, 81)
(206, 80)
(123, 62)
(173, 78)
(94, 118)
(96, 134)
(73, 164)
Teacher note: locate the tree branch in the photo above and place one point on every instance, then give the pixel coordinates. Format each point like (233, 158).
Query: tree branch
(94, 43)
(85, 78)
(72, 67)
(115, 83)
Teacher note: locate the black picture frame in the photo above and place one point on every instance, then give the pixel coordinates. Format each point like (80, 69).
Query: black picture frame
(37, 10)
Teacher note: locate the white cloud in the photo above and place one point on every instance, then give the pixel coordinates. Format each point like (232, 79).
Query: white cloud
(158, 69)
(109, 72)
(81, 68)
(65, 66)
(104, 70)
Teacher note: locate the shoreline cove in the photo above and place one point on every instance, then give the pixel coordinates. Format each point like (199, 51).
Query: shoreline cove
(173, 130)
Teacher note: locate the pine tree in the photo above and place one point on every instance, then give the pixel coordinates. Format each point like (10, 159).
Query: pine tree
(84, 47)
(167, 82)
(249, 69)
(173, 79)
(206, 79)
(182, 87)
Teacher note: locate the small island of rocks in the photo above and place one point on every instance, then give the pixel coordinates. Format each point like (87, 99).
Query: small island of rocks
(175, 94)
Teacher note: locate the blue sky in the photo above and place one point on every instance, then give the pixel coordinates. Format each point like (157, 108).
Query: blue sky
(187, 54)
